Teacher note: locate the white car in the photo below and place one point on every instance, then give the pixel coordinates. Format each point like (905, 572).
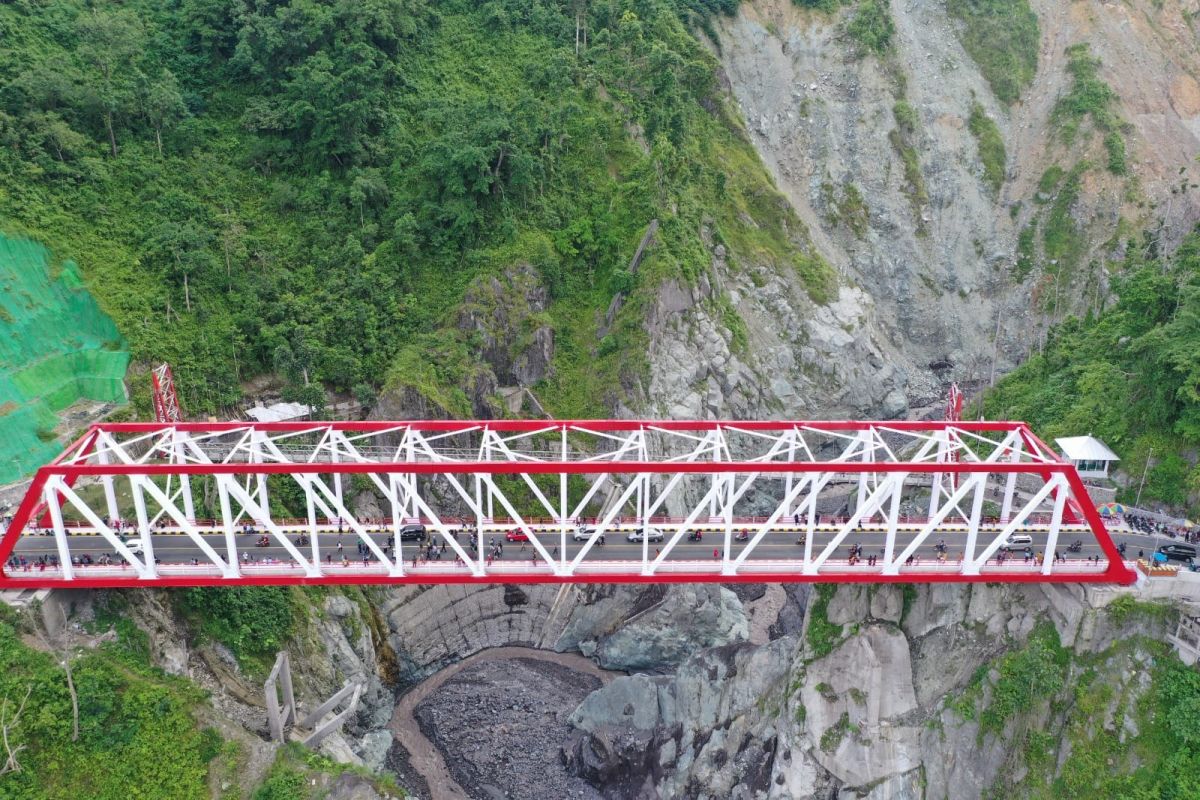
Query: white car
(1018, 541)
(585, 532)
(134, 546)
(653, 534)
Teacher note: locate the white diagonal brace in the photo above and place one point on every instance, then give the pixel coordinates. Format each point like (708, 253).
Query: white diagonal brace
(262, 517)
(102, 529)
(145, 484)
(974, 567)
(870, 504)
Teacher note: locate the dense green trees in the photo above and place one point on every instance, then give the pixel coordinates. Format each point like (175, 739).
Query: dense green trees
(325, 177)
(1130, 376)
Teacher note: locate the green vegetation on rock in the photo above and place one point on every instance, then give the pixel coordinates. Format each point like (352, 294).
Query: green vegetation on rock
(822, 635)
(1002, 36)
(991, 146)
(1130, 375)
(252, 621)
(872, 26)
(903, 138)
(301, 774)
(845, 205)
(1091, 98)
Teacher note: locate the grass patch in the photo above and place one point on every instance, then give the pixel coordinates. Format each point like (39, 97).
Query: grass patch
(1062, 239)
(1033, 673)
(903, 138)
(1002, 37)
(822, 634)
(301, 774)
(254, 622)
(1090, 98)
(991, 146)
(846, 206)
(1026, 242)
(872, 27)
(833, 735)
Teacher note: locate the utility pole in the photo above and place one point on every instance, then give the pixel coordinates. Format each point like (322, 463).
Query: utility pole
(1145, 469)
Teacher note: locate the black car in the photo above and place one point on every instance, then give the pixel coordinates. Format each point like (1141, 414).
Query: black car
(1177, 551)
(412, 533)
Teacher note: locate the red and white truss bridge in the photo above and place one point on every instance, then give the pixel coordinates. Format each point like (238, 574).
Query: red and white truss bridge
(593, 501)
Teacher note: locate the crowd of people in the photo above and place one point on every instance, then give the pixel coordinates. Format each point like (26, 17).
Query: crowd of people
(1155, 527)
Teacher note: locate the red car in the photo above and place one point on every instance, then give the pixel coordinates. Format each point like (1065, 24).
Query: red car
(516, 536)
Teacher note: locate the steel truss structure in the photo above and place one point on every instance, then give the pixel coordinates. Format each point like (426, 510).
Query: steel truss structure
(166, 401)
(755, 485)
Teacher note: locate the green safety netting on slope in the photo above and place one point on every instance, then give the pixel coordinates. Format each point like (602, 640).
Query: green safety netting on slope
(56, 347)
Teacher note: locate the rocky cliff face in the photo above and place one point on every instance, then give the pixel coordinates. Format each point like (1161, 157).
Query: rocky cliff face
(880, 715)
(937, 284)
(766, 691)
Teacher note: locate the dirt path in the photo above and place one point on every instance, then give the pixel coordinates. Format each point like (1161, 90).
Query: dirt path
(424, 757)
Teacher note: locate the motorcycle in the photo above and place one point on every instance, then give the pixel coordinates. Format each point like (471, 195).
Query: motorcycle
(742, 536)
(695, 536)
(263, 541)
(301, 540)
(1075, 546)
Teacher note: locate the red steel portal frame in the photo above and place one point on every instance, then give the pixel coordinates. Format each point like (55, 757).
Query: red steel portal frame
(750, 482)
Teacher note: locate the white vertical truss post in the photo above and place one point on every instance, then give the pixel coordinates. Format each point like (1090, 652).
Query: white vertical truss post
(893, 521)
(643, 487)
(1010, 484)
(788, 479)
(256, 457)
(110, 494)
(968, 554)
(50, 494)
(179, 449)
(810, 527)
(491, 510)
(728, 484)
(1060, 501)
(868, 451)
(143, 523)
(227, 524)
(334, 457)
(935, 483)
(562, 501)
(481, 559)
(310, 508)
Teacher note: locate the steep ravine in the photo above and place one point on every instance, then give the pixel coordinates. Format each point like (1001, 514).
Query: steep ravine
(905, 692)
(865, 693)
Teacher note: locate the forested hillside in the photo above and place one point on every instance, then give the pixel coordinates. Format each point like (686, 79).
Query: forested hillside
(1130, 376)
(308, 187)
